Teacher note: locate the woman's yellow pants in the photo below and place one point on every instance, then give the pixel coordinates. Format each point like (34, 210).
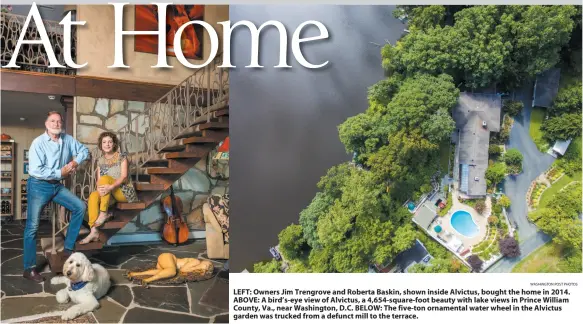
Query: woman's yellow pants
(97, 203)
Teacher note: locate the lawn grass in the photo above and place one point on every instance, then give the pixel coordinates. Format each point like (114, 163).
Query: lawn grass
(556, 187)
(444, 157)
(545, 259)
(536, 119)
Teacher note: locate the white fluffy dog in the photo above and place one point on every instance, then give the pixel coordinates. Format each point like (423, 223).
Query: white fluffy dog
(86, 283)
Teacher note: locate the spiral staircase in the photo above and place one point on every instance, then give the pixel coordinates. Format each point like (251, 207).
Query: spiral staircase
(162, 143)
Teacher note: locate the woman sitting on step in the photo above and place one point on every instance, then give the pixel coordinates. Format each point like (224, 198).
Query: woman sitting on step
(112, 180)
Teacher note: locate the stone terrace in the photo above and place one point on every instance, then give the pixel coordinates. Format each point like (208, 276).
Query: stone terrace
(23, 301)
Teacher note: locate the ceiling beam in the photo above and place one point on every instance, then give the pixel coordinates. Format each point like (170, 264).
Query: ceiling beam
(35, 82)
(94, 87)
(82, 86)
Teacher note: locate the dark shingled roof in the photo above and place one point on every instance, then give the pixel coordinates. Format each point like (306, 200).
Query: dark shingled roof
(469, 114)
(546, 87)
(414, 254)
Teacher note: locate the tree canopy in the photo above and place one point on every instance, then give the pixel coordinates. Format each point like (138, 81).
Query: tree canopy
(560, 217)
(485, 45)
(357, 217)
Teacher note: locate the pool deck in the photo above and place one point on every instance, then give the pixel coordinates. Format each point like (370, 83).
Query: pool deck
(480, 220)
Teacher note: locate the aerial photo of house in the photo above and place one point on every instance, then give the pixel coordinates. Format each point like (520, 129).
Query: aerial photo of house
(463, 155)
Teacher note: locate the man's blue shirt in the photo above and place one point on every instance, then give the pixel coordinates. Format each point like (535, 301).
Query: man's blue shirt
(46, 157)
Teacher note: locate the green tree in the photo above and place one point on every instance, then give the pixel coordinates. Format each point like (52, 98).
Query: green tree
(383, 91)
(493, 220)
(296, 266)
(534, 49)
(272, 266)
(418, 99)
(435, 266)
(494, 150)
(495, 173)
(560, 218)
(426, 17)
(513, 157)
(513, 107)
(320, 260)
(483, 45)
(562, 127)
(333, 183)
(292, 242)
(571, 161)
(309, 218)
(440, 126)
(486, 45)
(568, 100)
(504, 201)
(364, 134)
(572, 264)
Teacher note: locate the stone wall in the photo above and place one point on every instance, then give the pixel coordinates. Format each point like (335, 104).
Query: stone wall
(207, 177)
(99, 115)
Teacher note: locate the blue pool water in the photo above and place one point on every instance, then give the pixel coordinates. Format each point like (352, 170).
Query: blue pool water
(462, 222)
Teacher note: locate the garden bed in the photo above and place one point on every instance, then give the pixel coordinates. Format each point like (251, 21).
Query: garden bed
(535, 194)
(554, 174)
(488, 247)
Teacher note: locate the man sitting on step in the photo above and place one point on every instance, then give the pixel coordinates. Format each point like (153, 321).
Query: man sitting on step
(49, 157)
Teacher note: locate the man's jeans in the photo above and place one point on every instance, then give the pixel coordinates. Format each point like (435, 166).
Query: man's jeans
(39, 194)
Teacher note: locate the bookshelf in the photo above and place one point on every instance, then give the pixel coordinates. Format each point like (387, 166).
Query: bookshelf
(7, 178)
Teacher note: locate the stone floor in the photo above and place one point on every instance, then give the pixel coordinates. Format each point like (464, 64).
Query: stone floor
(23, 301)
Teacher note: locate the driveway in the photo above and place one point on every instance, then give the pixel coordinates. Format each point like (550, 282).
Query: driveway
(515, 187)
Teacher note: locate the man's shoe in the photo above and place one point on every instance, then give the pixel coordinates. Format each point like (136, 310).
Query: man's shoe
(33, 275)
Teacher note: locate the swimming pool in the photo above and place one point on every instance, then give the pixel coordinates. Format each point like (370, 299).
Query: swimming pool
(464, 224)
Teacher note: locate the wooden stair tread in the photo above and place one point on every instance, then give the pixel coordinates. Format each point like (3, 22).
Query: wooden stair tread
(214, 125)
(199, 139)
(185, 155)
(221, 112)
(130, 206)
(160, 170)
(157, 163)
(146, 186)
(119, 221)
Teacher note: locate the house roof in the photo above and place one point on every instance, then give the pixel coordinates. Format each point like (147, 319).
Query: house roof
(546, 87)
(469, 114)
(425, 216)
(478, 106)
(415, 254)
(561, 146)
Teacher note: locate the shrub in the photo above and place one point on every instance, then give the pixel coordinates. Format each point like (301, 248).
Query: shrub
(496, 173)
(509, 247)
(513, 107)
(480, 206)
(496, 209)
(492, 220)
(494, 150)
(513, 157)
(272, 266)
(475, 262)
(292, 242)
(503, 228)
(504, 201)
